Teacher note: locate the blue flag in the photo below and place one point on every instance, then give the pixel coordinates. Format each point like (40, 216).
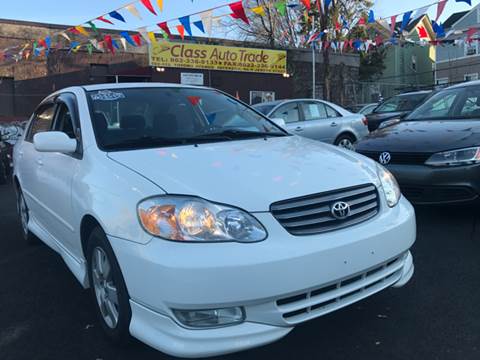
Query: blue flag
(327, 2)
(116, 15)
(371, 17)
(199, 25)
(406, 20)
(185, 21)
(115, 45)
(469, 2)
(127, 37)
(439, 30)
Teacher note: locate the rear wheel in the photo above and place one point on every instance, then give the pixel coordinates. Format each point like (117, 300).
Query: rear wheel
(24, 216)
(108, 288)
(345, 141)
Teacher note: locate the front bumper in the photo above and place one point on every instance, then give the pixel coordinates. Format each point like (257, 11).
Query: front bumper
(280, 282)
(443, 185)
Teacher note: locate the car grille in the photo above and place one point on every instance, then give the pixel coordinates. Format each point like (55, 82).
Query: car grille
(436, 194)
(311, 214)
(308, 305)
(404, 158)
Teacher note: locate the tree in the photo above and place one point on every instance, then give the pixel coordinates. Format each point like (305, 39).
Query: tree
(372, 64)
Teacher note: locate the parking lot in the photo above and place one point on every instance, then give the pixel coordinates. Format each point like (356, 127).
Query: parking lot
(45, 314)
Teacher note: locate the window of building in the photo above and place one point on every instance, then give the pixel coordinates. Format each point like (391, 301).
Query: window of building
(442, 81)
(470, 77)
(414, 62)
(257, 97)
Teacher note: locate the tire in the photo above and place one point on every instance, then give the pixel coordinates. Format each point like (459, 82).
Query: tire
(345, 141)
(108, 290)
(24, 215)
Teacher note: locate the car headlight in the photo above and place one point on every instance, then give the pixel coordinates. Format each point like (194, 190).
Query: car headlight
(184, 218)
(390, 186)
(388, 123)
(466, 156)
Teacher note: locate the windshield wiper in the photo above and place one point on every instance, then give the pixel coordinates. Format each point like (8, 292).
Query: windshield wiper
(234, 134)
(146, 141)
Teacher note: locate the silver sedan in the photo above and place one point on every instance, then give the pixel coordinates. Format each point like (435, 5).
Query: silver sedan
(318, 120)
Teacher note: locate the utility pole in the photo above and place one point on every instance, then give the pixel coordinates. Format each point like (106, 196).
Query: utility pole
(313, 70)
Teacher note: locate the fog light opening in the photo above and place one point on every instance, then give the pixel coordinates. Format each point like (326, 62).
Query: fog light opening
(210, 318)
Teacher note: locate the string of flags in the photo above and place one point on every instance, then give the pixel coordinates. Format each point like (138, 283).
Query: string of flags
(381, 33)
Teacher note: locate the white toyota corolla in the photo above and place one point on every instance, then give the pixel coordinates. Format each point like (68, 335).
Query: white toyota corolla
(200, 226)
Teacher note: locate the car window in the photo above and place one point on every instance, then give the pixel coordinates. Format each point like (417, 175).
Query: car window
(64, 122)
(288, 112)
(401, 103)
(134, 118)
(264, 109)
(42, 121)
(331, 112)
(456, 103)
(313, 111)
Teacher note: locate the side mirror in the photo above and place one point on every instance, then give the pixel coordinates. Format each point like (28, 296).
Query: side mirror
(54, 141)
(279, 122)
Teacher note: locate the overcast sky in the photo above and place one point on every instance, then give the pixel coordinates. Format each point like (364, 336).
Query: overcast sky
(73, 12)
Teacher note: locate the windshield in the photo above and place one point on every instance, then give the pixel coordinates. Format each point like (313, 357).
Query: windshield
(458, 103)
(400, 103)
(137, 118)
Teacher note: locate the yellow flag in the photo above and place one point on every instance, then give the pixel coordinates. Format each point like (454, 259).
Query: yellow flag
(259, 10)
(151, 36)
(160, 4)
(82, 30)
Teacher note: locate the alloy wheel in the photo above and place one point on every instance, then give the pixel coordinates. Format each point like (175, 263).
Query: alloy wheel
(23, 212)
(105, 289)
(346, 144)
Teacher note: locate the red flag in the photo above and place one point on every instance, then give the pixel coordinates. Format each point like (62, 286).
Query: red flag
(378, 40)
(307, 4)
(470, 32)
(43, 43)
(239, 11)
(440, 7)
(181, 31)
(137, 39)
(337, 26)
(422, 32)
(101, 18)
(149, 6)
(362, 21)
(164, 27)
(393, 22)
(108, 42)
(73, 31)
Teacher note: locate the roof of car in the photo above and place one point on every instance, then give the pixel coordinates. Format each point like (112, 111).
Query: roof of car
(422, 92)
(135, 85)
(465, 84)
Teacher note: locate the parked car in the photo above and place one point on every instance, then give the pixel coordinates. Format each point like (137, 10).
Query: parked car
(318, 120)
(396, 107)
(8, 137)
(435, 151)
(368, 109)
(200, 226)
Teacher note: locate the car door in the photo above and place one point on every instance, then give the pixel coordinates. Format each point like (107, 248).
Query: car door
(318, 126)
(56, 173)
(290, 112)
(29, 161)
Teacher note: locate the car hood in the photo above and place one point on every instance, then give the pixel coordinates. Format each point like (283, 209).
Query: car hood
(423, 136)
(250, 174)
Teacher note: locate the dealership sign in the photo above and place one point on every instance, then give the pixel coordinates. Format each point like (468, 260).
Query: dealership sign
(215, 57)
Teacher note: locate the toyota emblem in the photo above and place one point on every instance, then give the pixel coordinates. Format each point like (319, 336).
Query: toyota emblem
(385, 158)
(340, 210)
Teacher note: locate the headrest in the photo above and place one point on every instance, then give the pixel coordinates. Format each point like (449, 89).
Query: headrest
(132, 122)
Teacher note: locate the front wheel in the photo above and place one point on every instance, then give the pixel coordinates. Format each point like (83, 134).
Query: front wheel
(345, 141)
(108, 288)
(24, 215)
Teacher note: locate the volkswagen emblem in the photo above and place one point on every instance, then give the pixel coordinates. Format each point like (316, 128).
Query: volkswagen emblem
(340, 210)
(384, 158)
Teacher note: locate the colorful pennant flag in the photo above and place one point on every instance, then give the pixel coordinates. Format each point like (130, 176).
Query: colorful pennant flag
(239, 11)
(164, 27)
(420, 12)
(149, 6)
(152, 38)
(439, 30)
(185, 21)
(259, 10)
(393, 23)
(199, 25)
(81, 30)
(181, 31)
(206, 17)
(371, 17)
(127, 37)
(93, 26)
(160, 4)
(137, 39)
(117, 15)
(469, 2)
(143, 31)
(89, 49)
(405, 20)
(440, 8)
(307, 4)
(134, 11)
(327, 3)
(281, 7)
(109, 43)
(101, 18)
(124, 43)
(65, 35)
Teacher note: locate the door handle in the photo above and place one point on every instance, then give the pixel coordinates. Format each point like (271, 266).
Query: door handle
(299, 128)
(20, 153)
(333, 123)
(39, 162)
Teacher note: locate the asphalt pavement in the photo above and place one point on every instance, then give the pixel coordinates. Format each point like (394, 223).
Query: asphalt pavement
(45, 313)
